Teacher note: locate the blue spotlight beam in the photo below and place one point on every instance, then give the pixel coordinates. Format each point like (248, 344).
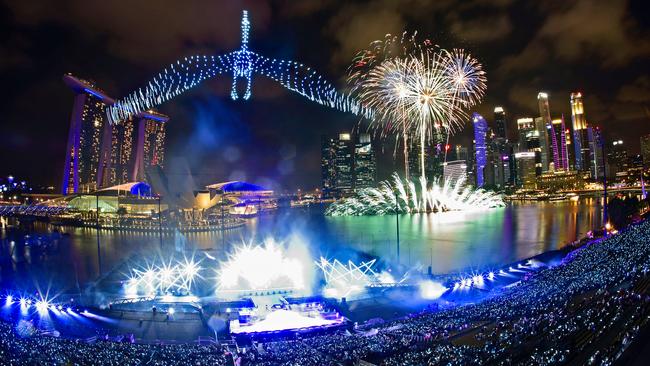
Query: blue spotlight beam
(185, 74)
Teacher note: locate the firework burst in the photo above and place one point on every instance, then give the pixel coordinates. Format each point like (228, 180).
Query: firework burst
(416, 89)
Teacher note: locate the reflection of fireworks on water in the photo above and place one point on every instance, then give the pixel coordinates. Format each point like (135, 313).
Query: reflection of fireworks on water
(407, 197)
(261, 267)
(164, 278)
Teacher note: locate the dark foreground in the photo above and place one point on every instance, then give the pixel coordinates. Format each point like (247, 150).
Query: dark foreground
(592, 309)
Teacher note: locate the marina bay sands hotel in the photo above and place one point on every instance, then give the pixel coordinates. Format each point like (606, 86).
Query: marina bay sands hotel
(99, 154)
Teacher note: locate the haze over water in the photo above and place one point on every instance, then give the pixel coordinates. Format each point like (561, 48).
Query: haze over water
(448, 242)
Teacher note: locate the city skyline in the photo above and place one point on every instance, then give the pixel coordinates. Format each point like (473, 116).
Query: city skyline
(282, 158)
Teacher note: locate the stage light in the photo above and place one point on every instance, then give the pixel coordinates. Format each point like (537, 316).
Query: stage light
(490, 276)
(171, 311)
(59, 308)
(9, 300)
(23, 302)
(42, 306)
(431, 290)
(85, 312)
(261, 267)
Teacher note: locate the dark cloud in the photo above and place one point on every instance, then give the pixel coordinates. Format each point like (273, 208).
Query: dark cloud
(145, 31)
(597, 31)
(481, 29)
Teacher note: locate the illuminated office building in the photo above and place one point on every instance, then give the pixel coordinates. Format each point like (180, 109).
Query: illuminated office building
(524, 126)
(526, 170)
(595, 143)
(480, 147)
(645, 149)
(88, 127)
(328, 169)
(529, 140)
(337, 165)
(500, 122)
(365, 165)
(617, 160)
(559, 144)
(461, 153)
(542, 124)
(580, 134)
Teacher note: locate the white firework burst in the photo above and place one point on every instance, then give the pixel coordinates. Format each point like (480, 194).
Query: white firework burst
(410, 197)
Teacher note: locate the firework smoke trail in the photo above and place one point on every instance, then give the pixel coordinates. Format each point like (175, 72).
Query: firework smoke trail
(407, 197)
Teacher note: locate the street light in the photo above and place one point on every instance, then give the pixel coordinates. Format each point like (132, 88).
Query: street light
(99, 254)
(160, 222)
(397, 223)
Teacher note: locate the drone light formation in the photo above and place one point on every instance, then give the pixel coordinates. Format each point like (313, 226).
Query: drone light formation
(243, 63)
(403, 196)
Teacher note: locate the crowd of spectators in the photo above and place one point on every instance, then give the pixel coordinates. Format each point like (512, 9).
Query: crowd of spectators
(586, 310)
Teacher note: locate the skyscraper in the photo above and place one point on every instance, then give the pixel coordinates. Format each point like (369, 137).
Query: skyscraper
(530, 140)
(343, 164)
(580, 134)
(150, 147)
(365, 166)
(328, 167)
(480, 148)
(524, 126)
(414, 159)
(461, 153)
(542, 135)
(594, 138)
(543, 126)
(88, 125)
(501, 124)
(526, 170)
(645, 149)
(337, 165)
(617, 159)
(559, 144)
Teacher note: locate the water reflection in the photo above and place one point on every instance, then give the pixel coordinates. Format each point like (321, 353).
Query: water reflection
(446, 242)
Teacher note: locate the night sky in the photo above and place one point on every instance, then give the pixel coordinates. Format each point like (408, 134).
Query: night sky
(600, 48)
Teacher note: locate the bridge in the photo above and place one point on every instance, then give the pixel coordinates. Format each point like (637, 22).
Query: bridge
(31, 210)
(242, 64)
